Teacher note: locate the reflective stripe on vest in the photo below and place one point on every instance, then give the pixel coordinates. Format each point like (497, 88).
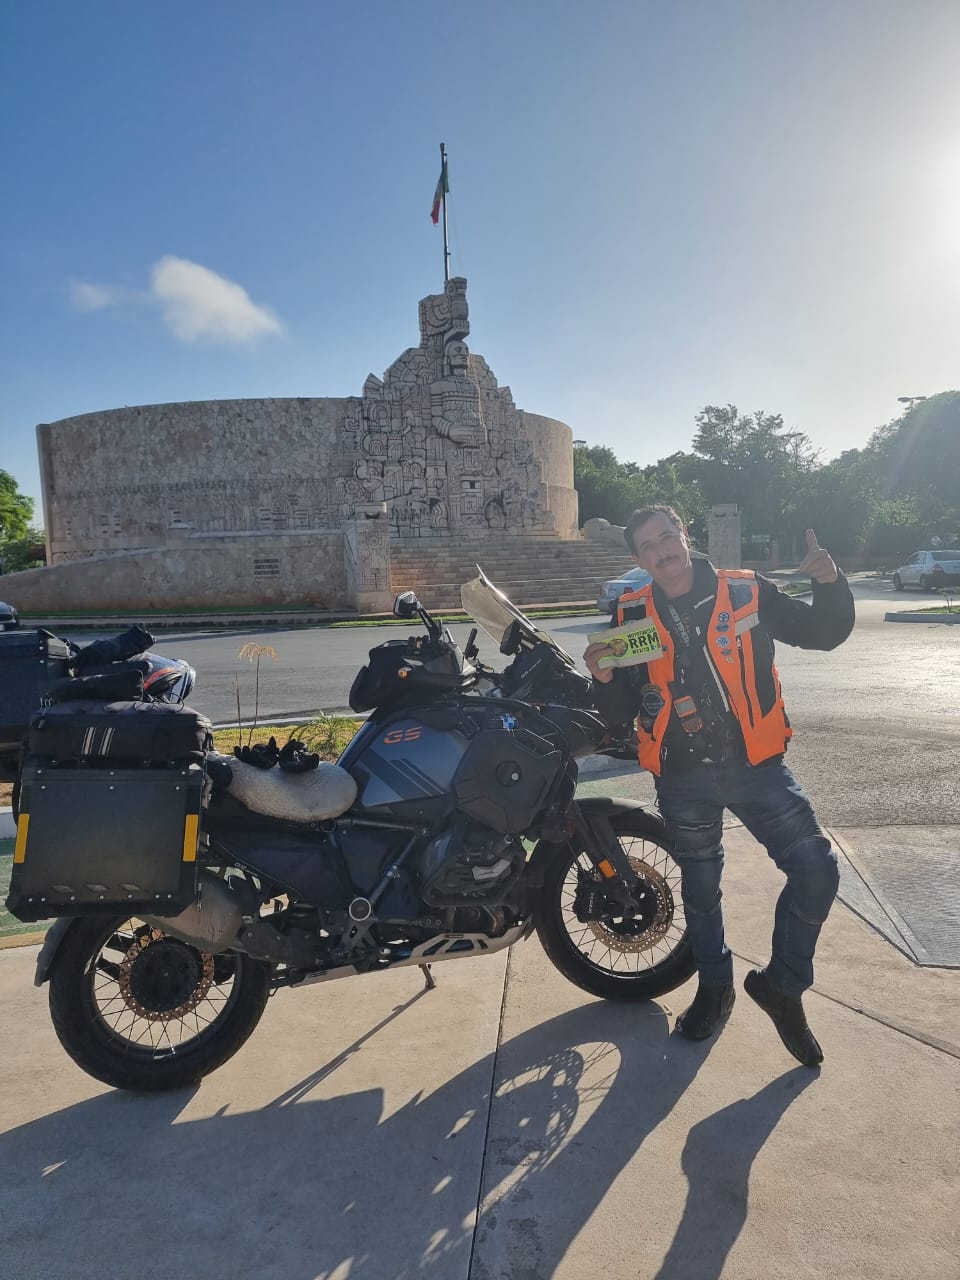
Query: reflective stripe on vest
(729, 645)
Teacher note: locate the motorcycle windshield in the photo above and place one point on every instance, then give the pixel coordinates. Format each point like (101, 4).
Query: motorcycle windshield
(494, 613)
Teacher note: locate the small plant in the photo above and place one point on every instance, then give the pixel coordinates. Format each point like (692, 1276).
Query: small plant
(253, 653)
(327, 735)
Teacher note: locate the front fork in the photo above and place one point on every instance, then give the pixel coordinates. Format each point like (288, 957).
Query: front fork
(599, 842)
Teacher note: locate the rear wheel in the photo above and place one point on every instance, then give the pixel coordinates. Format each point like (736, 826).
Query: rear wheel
(141, 1010)
(924, 584)
(609, 955)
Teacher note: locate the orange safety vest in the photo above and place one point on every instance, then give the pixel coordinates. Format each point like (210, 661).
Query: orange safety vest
(730, 649)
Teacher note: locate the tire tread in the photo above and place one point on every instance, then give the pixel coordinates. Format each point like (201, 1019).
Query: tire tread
(671, 973)
(98, 1057)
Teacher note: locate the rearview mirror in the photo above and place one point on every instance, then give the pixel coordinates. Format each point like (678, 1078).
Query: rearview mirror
(406, 605)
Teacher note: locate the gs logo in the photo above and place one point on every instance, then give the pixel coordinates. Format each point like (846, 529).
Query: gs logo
(402, 735)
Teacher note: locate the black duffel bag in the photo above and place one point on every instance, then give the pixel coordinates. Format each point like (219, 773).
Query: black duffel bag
(94, 732)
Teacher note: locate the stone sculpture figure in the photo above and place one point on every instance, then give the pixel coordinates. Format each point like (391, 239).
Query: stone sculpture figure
(457, 406)
(445, 314)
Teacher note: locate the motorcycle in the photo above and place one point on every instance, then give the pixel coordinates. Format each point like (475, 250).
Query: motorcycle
(456, 832)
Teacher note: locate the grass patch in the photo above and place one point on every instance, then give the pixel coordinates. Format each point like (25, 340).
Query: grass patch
(939, 608)
(327, 735)
(10, 926)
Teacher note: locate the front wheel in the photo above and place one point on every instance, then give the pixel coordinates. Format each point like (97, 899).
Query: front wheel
(141, 1010)
(609, 955)
(897, 582)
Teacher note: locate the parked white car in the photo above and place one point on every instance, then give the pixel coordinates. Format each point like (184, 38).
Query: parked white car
(613, 588)
(929, 570)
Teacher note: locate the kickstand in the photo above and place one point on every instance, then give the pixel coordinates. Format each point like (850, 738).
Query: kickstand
(429, 981)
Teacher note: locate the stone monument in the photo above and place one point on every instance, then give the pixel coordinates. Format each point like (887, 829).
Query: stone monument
(296, 501)
(723, 535)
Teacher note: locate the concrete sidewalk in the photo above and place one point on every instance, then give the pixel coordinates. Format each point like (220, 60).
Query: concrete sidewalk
(508, 1127)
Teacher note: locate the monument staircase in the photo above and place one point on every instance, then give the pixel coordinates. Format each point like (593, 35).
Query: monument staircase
(531, 571)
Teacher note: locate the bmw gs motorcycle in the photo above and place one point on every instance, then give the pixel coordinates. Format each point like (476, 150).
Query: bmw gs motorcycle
(464, 836)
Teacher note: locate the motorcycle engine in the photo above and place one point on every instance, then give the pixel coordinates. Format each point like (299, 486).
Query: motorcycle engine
(468, 862)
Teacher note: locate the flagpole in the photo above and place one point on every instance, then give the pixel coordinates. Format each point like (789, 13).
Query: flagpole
(443, 196)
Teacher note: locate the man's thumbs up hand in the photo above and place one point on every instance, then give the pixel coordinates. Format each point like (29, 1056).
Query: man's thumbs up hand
(817, 562)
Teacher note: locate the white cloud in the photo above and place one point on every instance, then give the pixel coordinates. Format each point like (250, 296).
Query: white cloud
(94, 297)
(197, 304)
(200, 305)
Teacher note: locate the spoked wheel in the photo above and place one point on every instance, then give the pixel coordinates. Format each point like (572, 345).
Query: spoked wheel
(607, 954)
(139, 1009)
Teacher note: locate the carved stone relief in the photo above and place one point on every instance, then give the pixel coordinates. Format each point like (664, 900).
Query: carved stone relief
(435, 440)
(442, 442)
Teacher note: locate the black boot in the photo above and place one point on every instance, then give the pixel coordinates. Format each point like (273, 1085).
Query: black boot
(787, 1016)
(711, 1007)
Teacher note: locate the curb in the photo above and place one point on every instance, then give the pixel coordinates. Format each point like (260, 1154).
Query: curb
(950, 619)
(267, 618)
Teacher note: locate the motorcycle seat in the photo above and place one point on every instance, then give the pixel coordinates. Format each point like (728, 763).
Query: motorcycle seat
(318, 794)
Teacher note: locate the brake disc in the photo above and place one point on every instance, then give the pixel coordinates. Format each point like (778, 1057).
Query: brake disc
(621, 937)
(162, 979)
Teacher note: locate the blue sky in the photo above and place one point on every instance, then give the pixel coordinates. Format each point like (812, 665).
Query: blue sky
(657, 205)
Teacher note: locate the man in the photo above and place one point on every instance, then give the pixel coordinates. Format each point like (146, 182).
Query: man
(712, 729)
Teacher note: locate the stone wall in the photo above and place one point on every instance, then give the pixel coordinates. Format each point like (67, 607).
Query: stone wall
(435, 448)
(202, 570)
(552, 442)
(129, 479)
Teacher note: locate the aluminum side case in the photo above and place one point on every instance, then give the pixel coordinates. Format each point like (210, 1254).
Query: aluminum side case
(93, 840)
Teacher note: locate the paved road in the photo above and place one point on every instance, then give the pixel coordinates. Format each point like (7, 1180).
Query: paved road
(877, 721)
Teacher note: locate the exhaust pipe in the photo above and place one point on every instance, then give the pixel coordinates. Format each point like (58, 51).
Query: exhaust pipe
(211, 923)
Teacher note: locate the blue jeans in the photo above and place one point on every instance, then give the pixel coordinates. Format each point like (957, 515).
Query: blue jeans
(774, 808)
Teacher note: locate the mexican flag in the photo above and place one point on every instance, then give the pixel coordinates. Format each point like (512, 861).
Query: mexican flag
(442, 188)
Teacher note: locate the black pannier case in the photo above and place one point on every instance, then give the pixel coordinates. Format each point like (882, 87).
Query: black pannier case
(109, 814)
(30, 662)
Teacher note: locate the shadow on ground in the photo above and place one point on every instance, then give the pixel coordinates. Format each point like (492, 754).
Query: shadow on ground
(309, 1188)
(717, 1158)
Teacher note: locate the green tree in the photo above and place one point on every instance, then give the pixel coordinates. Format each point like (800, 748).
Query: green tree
(16, 509)
(840, 501)
(754, 461)
(676, 481)
(607, 487)
(27, 552)
(922, 453)
(884, 500)
(896, 529)
(916, 462)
